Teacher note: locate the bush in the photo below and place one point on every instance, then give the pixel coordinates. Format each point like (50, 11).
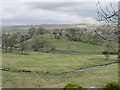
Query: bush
(111, 86)
(38, 44)
(107, 55)
(72, 87)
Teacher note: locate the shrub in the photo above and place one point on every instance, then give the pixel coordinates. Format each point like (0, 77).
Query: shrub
(106, 54)
(111, 86)
(72, 87)
(38, 44)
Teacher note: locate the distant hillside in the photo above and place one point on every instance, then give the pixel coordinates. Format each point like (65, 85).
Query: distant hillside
(23, 28)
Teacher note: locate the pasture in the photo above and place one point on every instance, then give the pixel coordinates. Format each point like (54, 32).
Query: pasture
(56, 70)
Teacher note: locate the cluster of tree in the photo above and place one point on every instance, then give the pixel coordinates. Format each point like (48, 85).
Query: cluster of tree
(17, 41)
(84, 35)
(34, 32)
(73, 34)
(107, 86)
(89, 35)
(14, 41)
(9, 41)
(95, 36)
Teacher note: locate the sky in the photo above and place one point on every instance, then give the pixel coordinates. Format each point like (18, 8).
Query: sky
(32, 13)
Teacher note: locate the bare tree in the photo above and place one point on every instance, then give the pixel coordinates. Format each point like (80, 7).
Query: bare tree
(110, 15)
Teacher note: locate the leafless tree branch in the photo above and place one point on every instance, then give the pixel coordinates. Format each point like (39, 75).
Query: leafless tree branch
(109, 15)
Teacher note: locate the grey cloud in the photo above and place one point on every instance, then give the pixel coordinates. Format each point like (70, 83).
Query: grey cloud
(50, 12)
(77, 8)
(51, 5)
(74, 8)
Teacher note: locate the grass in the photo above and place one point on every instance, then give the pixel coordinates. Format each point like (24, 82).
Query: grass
(63, 44)
(56, 64)
(92, 77)
(50, 62)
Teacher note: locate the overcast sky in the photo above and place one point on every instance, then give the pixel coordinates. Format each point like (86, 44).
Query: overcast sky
(21, 13)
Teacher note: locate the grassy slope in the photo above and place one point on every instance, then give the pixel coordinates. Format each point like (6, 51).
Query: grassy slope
(63, 44)
(71, 45)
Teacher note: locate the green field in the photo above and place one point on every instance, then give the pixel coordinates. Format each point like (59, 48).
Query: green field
(63, 44)
(56, 70)
(93, 77)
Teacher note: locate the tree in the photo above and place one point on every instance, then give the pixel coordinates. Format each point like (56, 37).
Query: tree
(73, 34)
(5, 41)
(40, 31)
(86, 37)
(71, 31)
(81, 32)
(38, 44)
(12, 41)
(96, 39)
(23, 45)
(110, 16)
(9, 41)
(31, 31)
